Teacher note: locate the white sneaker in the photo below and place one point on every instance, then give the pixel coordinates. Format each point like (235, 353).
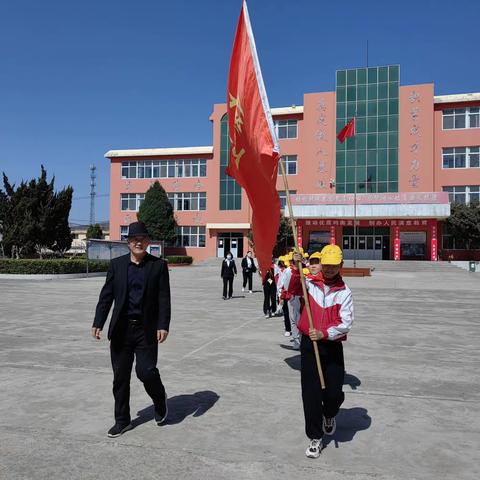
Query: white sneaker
(243, 289)
(250, 291)
(314, 448)
(329, 425)
(267, 316)
(287, 334)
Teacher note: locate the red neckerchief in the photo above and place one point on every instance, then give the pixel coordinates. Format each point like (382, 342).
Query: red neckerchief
(335, 282)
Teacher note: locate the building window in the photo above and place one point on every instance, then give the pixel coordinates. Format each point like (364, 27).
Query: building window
(123, 232)
(463, 194)
(188, 200)
(286, 128)
(368, 162)
(461, 157)
(129, 169)
(190, 237)
(290, 162)
(132, 201)
(283, 197)
(457, 118)
(230, 190)
(181, 168)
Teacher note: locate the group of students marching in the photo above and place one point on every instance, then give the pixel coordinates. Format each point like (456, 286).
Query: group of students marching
(331, 308)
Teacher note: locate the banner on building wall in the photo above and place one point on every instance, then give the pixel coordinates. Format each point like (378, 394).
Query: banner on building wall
(396, 243)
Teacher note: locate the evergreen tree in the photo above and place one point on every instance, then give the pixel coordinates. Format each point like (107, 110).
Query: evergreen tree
(156, 212)
(33, 217)
(285, 239)
(63, 234)
(94, 231)
(464, 224)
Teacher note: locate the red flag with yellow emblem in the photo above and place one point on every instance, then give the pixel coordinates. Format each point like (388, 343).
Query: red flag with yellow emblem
(254, 150)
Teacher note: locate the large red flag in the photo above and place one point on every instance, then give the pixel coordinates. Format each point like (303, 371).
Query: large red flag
(254, 146)
(347, 131)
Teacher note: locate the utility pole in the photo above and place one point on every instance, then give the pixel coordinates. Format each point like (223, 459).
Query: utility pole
(93, 184)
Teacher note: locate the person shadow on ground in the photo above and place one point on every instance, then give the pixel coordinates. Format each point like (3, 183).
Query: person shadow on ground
(180, 407)
(349, 422)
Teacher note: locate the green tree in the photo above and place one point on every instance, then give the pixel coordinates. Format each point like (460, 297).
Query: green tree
(156, 212)
(63, 234)
(33, 217)
(464, 224)
(94, 231)
(285, 239)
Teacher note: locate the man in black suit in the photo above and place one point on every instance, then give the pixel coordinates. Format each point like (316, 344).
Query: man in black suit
(138, 284)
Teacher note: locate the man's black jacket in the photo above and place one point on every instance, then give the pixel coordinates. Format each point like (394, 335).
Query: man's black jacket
(156, 296)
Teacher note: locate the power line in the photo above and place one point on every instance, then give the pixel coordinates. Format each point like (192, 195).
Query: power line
(86, 197)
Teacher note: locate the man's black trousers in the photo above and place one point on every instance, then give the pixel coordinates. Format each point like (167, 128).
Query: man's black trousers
(247, 277)
(318, 402)
(227, 281)
(123, 349)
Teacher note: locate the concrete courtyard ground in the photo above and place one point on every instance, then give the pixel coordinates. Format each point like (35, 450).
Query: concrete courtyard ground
(412, 385)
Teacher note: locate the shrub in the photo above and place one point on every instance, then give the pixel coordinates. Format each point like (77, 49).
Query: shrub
(178, 259)
(49, 267)
(65, 265)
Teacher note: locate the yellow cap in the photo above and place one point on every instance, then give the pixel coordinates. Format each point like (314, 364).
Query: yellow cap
(281, 258)
(289, 257)
(331, 255)
(305, 255)
(316, 255)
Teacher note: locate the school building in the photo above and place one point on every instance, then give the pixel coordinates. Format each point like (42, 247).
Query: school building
(413, 154)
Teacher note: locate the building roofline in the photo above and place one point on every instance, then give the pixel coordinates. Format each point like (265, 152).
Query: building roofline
(152, 152)
(287, 110)
(457, 98)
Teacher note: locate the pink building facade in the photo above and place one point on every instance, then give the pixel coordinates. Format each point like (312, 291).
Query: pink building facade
(413, 154)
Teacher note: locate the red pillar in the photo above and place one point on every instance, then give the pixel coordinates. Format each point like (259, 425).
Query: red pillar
(332, 235)
(396, 243)
(433, 227)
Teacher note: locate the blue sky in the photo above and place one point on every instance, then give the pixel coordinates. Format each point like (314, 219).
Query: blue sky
(78, 78)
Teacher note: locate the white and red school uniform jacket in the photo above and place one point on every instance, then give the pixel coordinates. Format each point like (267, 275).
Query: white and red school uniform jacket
(332, 308)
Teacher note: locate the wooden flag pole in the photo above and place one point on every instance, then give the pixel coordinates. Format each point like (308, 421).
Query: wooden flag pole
(300, 269)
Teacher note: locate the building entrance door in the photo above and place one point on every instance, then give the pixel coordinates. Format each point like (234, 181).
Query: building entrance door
(372, 244)
(230, 242)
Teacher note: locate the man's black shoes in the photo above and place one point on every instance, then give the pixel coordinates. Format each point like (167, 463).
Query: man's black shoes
(161, 412)
(118, 430)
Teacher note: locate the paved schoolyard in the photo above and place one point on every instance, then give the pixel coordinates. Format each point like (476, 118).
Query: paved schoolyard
(412, 386)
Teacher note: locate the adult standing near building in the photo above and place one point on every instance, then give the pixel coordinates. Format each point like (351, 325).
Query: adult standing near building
(248, 269)
(138, 285)
(228, 272)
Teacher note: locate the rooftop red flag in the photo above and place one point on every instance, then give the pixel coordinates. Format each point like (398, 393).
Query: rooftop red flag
(347, 131)
(254, 147)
